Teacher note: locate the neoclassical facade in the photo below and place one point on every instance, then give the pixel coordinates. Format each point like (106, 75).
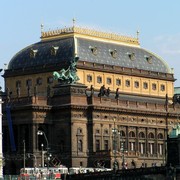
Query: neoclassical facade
(120, 109)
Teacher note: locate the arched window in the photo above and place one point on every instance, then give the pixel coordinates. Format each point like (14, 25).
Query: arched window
(151, 136)
(122, 134)
(131, 134)
(141, 135)
(97, 144)
(160, 136)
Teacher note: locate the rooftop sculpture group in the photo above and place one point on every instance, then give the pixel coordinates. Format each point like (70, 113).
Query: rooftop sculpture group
(67, 76)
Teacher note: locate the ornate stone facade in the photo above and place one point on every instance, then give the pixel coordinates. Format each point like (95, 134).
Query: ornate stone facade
(115, 112)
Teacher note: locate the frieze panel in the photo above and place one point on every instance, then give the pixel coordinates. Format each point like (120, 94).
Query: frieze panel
(77, 91)
(140, 129)
(77, 115)
(61, 91)
(132, 128)
(142, 120)
(152, 121)
(160, 121)
(39, 115)
(151, 130)
(68, 90)
(96, 116)
(132, 119)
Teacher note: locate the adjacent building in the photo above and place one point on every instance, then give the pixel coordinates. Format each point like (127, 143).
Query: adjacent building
(97, 98)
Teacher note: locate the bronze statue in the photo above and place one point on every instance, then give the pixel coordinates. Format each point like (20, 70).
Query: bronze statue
(67, 76)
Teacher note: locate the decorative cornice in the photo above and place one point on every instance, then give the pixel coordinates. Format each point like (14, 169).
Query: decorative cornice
(88, 32)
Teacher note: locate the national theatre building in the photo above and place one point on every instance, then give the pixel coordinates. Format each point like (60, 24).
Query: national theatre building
(81, 97)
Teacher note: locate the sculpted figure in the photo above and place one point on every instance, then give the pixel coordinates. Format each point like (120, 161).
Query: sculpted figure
(117, 93)
(67, 76)
(102, 91)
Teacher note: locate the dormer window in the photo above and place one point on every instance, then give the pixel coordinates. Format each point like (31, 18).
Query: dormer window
(148, 59)
(113, 53)
(33, 53)
(93, 50)
(131, 56)
(54, 50)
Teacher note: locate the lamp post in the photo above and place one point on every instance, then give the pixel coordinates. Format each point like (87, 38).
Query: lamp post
(122, 150)
(42, 160)
(41, 133)
(115, 133)
(24, 156)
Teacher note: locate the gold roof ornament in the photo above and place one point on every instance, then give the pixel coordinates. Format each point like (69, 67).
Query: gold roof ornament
(74, 21)
(42, 28)
(87, 33)
(137, 33)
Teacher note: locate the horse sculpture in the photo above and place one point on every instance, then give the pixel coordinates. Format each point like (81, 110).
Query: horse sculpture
(67, 76)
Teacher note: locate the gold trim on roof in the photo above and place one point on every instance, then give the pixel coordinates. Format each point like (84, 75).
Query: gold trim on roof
(89, 32)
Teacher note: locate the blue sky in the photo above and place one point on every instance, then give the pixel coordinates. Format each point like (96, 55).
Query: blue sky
(157, 21)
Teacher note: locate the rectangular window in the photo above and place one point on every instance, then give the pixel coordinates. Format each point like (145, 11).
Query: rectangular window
(162, 87)
(154, 86)
(89, 78)
(109, 81)
(118, 82)
(39, 81)
(127, 83)
(145, 85)
(97, 131)
(160, 149)
(97, 144)
(106, 145)
(50, 80)
(151, 148)
(142, 148)
(136, 84)
(29, 82)
(99, 79)
(18, 83)
(132, 146)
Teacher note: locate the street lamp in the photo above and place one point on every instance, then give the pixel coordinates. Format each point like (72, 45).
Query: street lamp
(115, 133)
(41, 133)
(42, 160)
(122, 150)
